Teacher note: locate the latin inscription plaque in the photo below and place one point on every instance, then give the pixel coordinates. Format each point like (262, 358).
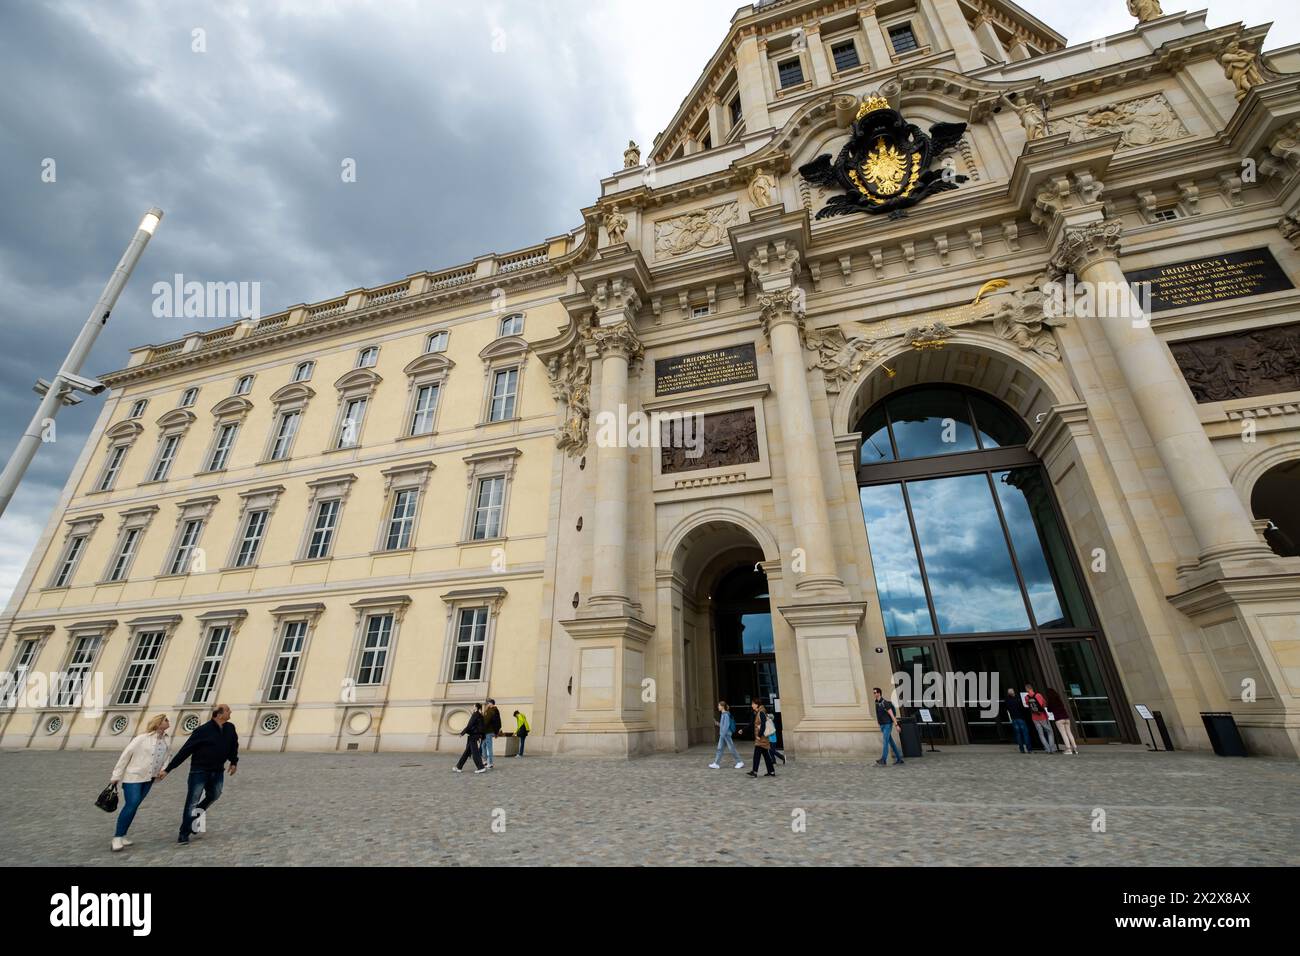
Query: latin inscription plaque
(1213, 279)
(686, 373)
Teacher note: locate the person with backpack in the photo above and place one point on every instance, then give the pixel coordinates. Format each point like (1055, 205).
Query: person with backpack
(491, 727)
(886, 717)
(763, 726)
(1037, 706)
(473, 734)
(1018, 714)
(137, 769)
(726, 727)
(522, 730)
(1061, 715)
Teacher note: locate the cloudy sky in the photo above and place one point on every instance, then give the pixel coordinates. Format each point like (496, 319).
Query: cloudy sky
(475, 127)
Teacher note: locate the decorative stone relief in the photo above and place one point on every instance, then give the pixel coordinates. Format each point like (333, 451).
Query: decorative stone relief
(1290, 227)
(840, 356)
(762, 190)
(702, 229)
(728, 438)
(1140, 122)
(615, 225)
(570, 377)
(1081, 246)
(1241, 66)
(1241, 364)
(1030, 114)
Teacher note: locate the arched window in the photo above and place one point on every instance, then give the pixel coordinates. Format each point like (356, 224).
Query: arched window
(966, 542)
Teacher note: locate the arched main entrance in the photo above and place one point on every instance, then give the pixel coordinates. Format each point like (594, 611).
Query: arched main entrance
(1274, 498)
(973, 569)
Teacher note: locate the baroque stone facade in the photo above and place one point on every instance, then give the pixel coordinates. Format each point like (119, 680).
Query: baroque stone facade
(952, 437)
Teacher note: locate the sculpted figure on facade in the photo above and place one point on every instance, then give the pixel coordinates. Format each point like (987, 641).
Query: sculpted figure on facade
(1145, 10)
(762, 188)
(615, 225)
(1023, 316)
(1241, 66)
(631, 155)
(840, 356)
(1290, 228)
(1031, 116)
(702, 229)
(571, 385)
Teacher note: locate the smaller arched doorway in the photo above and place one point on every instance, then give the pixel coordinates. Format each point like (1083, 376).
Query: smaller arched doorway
(975, 575)
(1276, 499)
(744, 646)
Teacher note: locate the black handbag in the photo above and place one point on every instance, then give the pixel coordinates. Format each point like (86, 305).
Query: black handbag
(107, 799)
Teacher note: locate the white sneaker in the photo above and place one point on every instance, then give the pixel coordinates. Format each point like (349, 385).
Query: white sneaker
(457, 770)
(714, 766)
(740, 764)
(125, 842)
(117, 844)
(482, 770)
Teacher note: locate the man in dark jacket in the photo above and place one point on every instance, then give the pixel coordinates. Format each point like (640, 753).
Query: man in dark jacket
(491, 727)
(210, 746)
(1018, 714)
(473, 733)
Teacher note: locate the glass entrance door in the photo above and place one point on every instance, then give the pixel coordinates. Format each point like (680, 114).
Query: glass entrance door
(1091, 710)
(916, 661)
(742, 627)
(1015, 663)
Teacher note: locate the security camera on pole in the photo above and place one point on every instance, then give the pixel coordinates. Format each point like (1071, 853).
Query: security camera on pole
(67, 382)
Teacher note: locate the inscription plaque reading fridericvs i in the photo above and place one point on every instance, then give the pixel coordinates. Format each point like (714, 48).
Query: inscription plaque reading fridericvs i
(728, 438)
(685, 373)
(1214, 279)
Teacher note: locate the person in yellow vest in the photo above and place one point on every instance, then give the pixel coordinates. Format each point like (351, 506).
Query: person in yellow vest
(521, 731)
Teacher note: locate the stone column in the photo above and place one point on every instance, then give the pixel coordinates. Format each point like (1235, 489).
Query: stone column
(750, 67)
(821, 68)
(1218, 519)
(877, 47)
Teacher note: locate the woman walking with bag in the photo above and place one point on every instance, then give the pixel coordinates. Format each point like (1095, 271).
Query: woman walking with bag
(136, 770)
(763, 726)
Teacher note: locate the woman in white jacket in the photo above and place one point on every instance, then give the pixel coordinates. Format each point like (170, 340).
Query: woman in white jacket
(137, 769)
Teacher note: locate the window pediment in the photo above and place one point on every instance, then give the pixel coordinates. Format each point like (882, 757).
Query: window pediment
(358, 380)
(511, 346)
(124, 431)
(234, 407)
(430, 363)
(291, 393)
(177, 418)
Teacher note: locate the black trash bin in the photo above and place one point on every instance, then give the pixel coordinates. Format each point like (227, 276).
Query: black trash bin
(1164, 731)
(909, 732)
(1224, 736)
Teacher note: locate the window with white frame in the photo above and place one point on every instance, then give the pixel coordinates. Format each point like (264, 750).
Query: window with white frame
(250, 542)
(425, 409)
(140, 670)
(290, 404)
(72, 679)
(25, 652)
(244, 385)
(125, 554)
(505, 383)
(403, 488)
(162, 465)
(488, 506)
(324, 515)
(138, 407)
(72, 551)
(512, 325)
(437, 341)
(183, 555)
(355, 389)
(215, 642)
(112, 465)
(401, 520)
(489, 475)
(24, 658)
(700, 311)
(225, 441)
(368, 357)
(293, 637)
(323, 527)
(188, 398)
(286, 428)
(471, 644)
(349, 430)
(302, 372)
(374, 649)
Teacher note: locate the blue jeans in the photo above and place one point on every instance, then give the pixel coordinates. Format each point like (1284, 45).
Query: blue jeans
(887, 731)
(487, 749)
(203, 790)
(1022, 736)
(133, 794)
(724, 740)
(523, 739)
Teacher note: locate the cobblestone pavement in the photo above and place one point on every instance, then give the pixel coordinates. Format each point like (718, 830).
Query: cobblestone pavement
(961, 807)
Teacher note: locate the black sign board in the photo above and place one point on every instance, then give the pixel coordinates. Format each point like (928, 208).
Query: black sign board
(1213, 279)
(685, 373)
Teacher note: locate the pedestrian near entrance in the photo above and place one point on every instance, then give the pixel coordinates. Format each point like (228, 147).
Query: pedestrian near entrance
(1056, 705)
(726, 728)
(1037, 705)
(473, 734)
(763, 726)
(208, 750)
(491, 727)
(1018, 714)
(886, 717)
(139, 766)
(522, 730)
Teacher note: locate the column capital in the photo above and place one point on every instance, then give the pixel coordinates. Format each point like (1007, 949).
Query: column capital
(615, 300)
(781, 307)
(1087, 244)
(618, 339)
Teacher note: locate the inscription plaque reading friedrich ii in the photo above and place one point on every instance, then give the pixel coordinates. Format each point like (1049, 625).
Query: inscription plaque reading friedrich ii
(1229, 276)
(729, 438)
(685, 373)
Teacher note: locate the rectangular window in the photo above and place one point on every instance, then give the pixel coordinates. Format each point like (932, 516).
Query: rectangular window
(471, 641)
(699, 311)
(284, 433)
(130, 538)
(402, 521)
(512, 325)
(185, 546)
(139, 673)
(303, 372)
(286, 662)
(322, 531)
(166, 454)
(734, 106)
(22, 663)
(111, 468)
(251, 543)
(1164, 215)
(374, 650)
(368, 357)
(845, 55)
(210, 667)
(221, 451)
(137, 409)
(73, 680)
(354, 413)
(426, 405)
(244, 385)
(902, 38)
(71, 553)
(487, 508)
(504, 384)
(437, 342)
(791, 73)
(188, 397)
